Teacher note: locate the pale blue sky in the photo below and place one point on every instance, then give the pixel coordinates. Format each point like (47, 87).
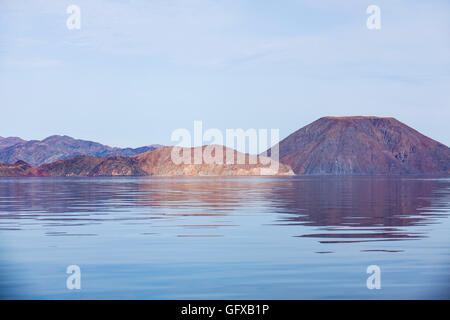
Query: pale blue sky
(137, 70)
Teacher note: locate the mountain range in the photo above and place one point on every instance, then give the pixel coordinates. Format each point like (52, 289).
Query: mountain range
(54, 148)
(10, 141)
(357, 145)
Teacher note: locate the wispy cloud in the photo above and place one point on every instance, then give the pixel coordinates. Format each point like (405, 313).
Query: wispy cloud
(218, 34)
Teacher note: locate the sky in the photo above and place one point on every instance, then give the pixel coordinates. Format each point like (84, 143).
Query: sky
(137, 70)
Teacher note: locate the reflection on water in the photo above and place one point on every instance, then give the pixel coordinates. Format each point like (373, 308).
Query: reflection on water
(376, 206)
(266, 229)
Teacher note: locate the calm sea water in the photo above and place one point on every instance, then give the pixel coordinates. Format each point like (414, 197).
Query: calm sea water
(225, 238)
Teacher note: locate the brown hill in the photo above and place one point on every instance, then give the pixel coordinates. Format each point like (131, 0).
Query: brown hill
(157, 162)
(362, 145)
(78, 166)
(18, 169)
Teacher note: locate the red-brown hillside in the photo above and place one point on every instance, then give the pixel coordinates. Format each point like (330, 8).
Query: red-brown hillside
(18, 169)
(156, 162)
(362, 145)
